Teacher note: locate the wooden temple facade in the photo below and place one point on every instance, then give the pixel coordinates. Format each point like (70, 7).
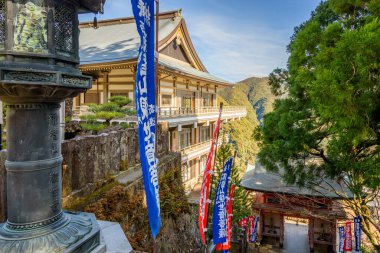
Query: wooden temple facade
(187, 93)
(322, 215)
(275, 202)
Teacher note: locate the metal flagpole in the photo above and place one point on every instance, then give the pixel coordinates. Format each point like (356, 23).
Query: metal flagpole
(157, 54)
(157, 85)
(213, 169)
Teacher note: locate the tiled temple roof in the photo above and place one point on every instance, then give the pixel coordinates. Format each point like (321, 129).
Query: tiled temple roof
(260, 180)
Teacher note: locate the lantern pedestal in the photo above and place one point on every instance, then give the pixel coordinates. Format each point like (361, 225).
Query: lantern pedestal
(39, 55)
(72, 232)
(36, 222)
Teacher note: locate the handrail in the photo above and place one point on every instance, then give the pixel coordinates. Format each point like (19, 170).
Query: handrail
(173, 112)
(195, 146)
(198, 146)
(189, 111)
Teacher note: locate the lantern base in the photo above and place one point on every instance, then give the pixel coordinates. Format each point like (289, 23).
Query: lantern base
(71, 233)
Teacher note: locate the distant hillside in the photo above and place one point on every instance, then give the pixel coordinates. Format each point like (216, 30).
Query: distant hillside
(253, 93)
(259, 95)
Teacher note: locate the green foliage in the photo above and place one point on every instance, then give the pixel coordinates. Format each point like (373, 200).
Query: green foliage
(93, 127)
(108, 116)
(106, 107)
(172, 195)
(332, 111)
(117, 203)
(67, 119)
(90, 123)
(125, 125)
(247, 94)
(120, 100)
(278, 81)
(242, 198)
(114, 109)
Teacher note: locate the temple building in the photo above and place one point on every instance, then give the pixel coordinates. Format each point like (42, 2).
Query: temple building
(187, 92)
(276, 201)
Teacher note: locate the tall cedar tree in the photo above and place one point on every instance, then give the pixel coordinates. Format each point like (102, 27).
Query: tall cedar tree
(332, 111)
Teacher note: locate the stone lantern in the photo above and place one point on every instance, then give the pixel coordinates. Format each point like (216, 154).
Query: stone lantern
(38, 70)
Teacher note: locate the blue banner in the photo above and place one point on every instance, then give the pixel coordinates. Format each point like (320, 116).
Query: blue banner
(254, 233)
(145, 94)
(358, 232)
(341, 239)
(219, 217)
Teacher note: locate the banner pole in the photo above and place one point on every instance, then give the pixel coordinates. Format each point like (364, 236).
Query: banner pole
(213, 170)
(157, 85)
(157, 59)
(156, 63)
(154, 246)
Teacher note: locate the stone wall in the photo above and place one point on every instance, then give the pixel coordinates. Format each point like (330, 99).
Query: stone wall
(89, 161)
(171, 161)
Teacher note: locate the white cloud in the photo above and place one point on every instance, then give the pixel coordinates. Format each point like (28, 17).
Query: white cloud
(230, 48)
(234, 51)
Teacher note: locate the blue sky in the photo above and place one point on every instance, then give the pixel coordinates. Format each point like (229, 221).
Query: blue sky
(234, 39)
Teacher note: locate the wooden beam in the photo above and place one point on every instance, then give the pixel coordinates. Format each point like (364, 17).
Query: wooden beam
(121, 76)
(120, 83)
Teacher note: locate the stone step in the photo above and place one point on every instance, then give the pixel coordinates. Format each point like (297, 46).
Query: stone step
(113, 239)
(129, 176)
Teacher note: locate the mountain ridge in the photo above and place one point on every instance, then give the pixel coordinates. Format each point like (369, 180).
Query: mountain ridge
(255, 94)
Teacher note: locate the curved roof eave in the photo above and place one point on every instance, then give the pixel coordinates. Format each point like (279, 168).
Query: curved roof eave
(260, 180)
(119, 64)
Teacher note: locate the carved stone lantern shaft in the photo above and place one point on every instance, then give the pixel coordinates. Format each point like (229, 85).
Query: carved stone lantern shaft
(39, 55)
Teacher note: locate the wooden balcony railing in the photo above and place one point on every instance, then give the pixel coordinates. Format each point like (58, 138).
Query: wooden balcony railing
(173, 112)
(198, 147)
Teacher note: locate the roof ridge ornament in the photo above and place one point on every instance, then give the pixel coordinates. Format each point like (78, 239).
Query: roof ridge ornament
(177, 14)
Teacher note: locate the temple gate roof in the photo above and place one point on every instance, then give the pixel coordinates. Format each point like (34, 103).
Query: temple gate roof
(261, 180)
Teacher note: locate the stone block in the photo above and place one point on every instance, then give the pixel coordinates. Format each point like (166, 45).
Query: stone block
(114, 238)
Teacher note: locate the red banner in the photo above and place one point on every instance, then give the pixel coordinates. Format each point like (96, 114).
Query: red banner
(205, 190)
(347, 237)
(230, 204)
(243, 223)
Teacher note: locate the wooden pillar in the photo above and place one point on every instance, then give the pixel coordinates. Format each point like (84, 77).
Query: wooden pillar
(311, 234)
(174, 94)
(197, 168)
(193, 137)
(333, 234)
(261, 227)
(97, 91)
(105, 86)
(170, 140)
(198, 96)
(158, 97)
(81, 99)
(197, 140)
(282, 230)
